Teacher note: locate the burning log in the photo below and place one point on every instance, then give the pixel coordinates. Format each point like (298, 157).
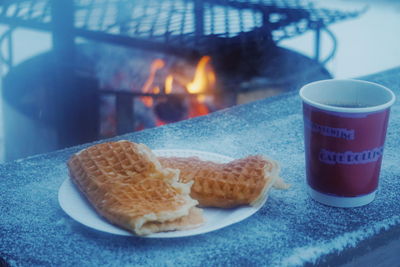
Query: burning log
(171, 108)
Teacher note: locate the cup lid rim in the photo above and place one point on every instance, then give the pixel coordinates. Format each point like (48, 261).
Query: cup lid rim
(347, 109)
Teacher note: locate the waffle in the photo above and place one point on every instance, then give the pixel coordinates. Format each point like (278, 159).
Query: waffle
(240, 182)
(127, 185)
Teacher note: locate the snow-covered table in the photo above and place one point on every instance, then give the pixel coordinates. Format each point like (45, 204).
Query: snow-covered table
(290, 229)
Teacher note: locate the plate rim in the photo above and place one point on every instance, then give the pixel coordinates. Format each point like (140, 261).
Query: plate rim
(68, 184)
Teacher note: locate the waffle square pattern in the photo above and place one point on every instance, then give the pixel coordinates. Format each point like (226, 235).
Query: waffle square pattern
(127, 185)
(132, 188)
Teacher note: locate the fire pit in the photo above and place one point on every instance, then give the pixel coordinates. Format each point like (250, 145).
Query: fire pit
(231, 45)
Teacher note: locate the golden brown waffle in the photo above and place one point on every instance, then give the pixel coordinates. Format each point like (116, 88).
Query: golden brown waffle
(127, 185)
(239, 182)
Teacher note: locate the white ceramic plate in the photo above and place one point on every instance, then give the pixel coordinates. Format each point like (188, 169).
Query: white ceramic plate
(76, 205)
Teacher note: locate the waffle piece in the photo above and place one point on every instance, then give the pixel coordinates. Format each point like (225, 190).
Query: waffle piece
(239, 182)
(127, 185)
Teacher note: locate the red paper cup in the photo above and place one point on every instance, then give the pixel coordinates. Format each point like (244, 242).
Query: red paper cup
(345, 124)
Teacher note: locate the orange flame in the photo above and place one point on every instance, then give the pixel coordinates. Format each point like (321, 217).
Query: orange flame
(200, 81)
(147, 87)
(211, 77)
(168, 84)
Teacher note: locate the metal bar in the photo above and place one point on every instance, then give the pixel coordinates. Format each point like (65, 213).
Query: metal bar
(267, 25)
(7, 36)
(212, 19)
(124, 112)
(246, 5)
(334, 46)
(155, 21)
(241, 25)
(137, 26)
(199, 19)
(125, 93)
(183, 22)
(10, 48)
(317, 40)
(226, 14)
(4, 7)
(65, 94)
(32, 24)
(135, 42)
(62, 26)
(168, 23)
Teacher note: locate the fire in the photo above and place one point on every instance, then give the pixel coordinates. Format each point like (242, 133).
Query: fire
(168, 84)
(147, 87)
(201, 84)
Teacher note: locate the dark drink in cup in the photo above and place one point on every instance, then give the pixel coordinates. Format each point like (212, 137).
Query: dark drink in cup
(345, 124)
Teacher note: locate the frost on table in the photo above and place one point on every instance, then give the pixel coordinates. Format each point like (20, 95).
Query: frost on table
(290, 230)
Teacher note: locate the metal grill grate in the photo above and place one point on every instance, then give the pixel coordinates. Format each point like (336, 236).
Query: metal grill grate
(177, 26)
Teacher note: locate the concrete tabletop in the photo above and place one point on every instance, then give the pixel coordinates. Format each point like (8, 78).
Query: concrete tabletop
(289, 230)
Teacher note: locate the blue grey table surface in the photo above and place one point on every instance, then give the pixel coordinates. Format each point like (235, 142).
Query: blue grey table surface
(289, 230)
